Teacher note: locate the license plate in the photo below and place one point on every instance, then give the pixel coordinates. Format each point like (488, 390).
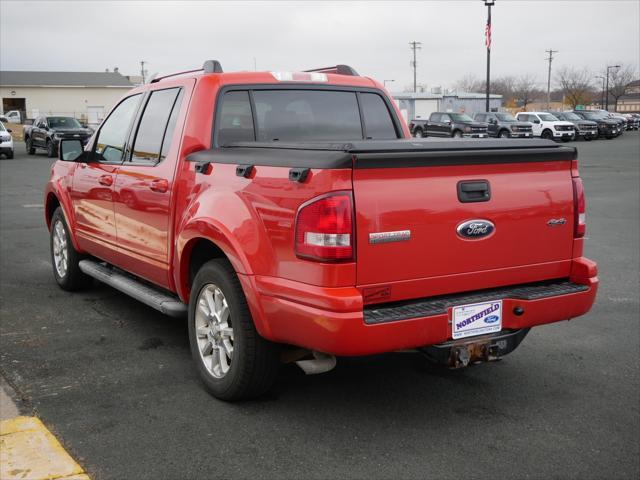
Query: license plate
(476, 319)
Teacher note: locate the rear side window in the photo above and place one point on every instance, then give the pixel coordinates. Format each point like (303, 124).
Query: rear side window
(377, 121)
(435, 117)
(153, 126)
(236, 121)
(306, 115)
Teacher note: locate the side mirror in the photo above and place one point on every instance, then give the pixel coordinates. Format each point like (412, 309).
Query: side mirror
(492, 120)
(448, 122)
(70, 150)
(536, 121)
(9, 130)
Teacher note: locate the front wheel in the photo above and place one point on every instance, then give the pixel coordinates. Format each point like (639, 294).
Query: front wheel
(418, 133)
(64, 257)
(51, 149)
(233, 360)
(28, 143)
(504, 134)
(457, 134)
(547, 135)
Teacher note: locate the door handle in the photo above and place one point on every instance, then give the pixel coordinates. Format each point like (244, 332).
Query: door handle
(474, 191)
(106, 180)
(159, 185)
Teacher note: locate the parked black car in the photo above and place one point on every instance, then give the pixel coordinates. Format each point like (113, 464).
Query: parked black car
(607, 127)
(446, 124)
(587, 129)
(46, 132)
(504, 125)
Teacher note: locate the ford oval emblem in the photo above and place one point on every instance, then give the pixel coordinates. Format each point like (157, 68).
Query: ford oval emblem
(475, 229)
(491, 319)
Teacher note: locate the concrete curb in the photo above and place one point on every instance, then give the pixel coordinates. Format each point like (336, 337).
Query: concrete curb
(29, 451)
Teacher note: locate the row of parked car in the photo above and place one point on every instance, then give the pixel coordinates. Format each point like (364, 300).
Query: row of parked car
(565, 126)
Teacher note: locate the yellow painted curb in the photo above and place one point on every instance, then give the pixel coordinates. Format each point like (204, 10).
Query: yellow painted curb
(28, 451)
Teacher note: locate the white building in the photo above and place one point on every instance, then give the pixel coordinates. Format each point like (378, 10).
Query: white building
(421, 105)
(87, 96)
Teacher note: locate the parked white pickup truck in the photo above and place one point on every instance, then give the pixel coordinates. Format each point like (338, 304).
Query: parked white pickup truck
(547, 126)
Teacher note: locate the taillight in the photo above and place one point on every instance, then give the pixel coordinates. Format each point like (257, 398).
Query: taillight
(324, 228)
(579, 209)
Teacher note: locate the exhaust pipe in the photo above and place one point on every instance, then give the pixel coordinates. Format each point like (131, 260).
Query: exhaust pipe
(321, 363)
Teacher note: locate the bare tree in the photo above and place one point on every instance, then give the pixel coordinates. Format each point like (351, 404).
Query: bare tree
(504, 86)
(525, 90)
(469, 83)
(619, 80)
(575, 84)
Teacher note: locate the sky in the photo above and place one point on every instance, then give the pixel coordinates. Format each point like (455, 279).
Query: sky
(373, 37)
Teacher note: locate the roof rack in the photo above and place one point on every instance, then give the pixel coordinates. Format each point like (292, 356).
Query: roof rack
(339, 69)
(209, 66)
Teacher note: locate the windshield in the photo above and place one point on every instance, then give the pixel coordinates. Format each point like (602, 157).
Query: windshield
(63, 122)
(506, 117)
(594, 115)
(460, 117)
(2, 128)
(570, 116)
(547, 117)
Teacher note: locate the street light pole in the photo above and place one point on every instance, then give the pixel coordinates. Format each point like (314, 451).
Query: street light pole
(606, 95)
(487, 41)
(601, 96)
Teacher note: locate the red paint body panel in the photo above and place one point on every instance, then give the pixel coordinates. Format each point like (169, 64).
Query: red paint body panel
(151, 233)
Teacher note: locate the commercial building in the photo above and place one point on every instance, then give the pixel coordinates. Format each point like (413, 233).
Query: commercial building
(421, 105)
(87, 96)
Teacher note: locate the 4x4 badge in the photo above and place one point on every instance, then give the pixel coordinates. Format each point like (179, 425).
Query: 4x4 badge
(556, 222)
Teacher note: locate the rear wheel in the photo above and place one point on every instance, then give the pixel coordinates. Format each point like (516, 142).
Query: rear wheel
(51, 150)
(64, 257)
(233, 360)
(29, 145)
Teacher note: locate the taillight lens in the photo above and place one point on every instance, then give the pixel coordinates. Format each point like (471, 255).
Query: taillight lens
(324, 229)
(579, 209)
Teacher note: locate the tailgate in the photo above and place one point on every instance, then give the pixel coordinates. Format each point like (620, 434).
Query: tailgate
(457, 207)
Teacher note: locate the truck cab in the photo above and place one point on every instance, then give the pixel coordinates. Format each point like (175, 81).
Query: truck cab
(457, 125)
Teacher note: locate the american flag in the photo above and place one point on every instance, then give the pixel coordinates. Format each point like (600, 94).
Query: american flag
(487, 35)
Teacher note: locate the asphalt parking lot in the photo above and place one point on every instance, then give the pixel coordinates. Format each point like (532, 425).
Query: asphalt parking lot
(113, 379)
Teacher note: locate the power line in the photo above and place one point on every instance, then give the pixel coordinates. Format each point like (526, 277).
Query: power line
(415, 46)
(550, 59)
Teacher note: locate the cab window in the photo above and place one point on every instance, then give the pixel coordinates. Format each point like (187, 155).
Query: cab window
(110, 143)
(156, 124)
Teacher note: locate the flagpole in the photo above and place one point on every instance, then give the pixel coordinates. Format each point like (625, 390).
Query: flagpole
(487, 35)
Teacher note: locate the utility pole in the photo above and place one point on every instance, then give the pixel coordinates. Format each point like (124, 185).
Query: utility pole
(487, 42)
(602, 96)
(143, 72)
(550, 52)
(415, 46)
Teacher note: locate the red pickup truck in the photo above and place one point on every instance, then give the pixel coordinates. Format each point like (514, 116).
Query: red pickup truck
(292, 218)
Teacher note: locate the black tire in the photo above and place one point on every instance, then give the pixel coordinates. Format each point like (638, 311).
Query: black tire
(10, 155)
(51, 149)
(588, 138)
(456, 134)
(254, 364)
(28, 143)
(547, 135)
(504, 134)
(418, 133)
(72, 279)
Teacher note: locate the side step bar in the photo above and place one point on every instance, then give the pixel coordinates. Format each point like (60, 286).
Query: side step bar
(147, 294)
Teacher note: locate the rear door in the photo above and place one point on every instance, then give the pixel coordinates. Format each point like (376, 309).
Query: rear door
(410, 213)
(433, 125)
(143, 185)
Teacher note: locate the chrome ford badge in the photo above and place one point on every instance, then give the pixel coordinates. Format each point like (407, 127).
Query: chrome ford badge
(475, 229)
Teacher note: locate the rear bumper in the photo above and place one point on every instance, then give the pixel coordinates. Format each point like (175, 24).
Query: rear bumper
(332, 320)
